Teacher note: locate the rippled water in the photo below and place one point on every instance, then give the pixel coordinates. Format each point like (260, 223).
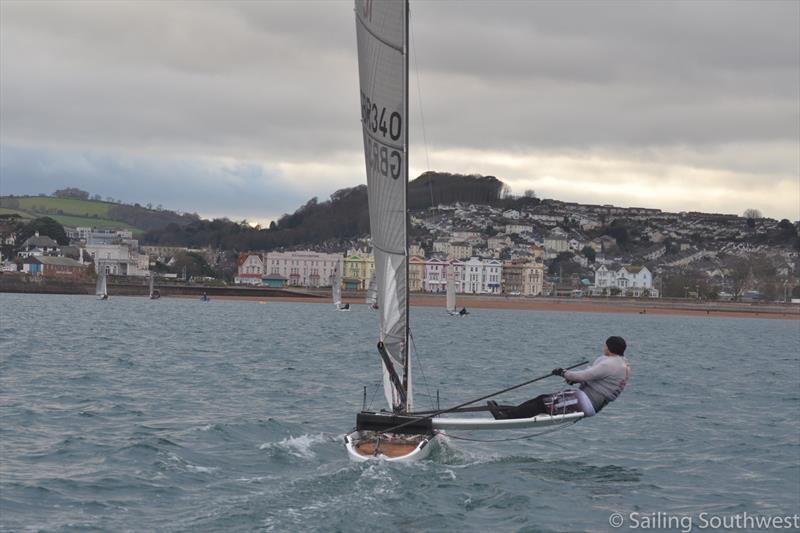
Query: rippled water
(177, 415)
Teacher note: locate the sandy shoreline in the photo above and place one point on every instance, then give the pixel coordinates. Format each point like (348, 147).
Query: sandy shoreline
(644, 307)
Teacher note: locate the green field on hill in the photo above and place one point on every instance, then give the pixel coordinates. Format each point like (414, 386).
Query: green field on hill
(70, 212)
(21, 214)
(84, 222)
(67, 206)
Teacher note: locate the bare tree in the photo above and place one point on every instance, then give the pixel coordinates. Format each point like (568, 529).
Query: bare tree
(752, 213)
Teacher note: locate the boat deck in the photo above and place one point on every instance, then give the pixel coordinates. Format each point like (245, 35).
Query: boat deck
(389, 449)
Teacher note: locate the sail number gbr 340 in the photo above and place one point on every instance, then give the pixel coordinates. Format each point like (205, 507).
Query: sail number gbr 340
(381, 158)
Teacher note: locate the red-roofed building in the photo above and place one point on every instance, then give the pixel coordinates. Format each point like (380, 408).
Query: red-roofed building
(251, 269)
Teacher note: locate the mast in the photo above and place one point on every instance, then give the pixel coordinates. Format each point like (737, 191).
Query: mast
(407, 355)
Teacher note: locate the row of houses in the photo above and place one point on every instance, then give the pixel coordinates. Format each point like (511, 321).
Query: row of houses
(474, 276)
(119, 257)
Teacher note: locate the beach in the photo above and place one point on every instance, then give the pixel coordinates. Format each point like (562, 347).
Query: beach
(588, 305)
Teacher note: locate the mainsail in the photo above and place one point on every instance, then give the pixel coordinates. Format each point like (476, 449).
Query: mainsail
(372, 292)
(451, 289)
(151, 285)
(336, 287)
(101, 287)
(382, 34)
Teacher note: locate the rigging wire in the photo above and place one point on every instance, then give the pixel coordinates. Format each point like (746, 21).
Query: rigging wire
(421, 369)
(374, 392)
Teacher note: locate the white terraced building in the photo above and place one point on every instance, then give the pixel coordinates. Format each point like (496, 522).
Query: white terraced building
(482, 276)
(304, 268)
(629, 280)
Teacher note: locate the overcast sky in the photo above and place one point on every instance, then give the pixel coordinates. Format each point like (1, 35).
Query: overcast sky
(247, 110)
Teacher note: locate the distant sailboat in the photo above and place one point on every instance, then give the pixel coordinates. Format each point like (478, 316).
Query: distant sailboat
(101, 289)
(336, 291)
(451, 295)
(154, 293)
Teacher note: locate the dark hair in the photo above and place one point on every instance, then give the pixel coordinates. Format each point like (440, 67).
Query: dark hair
(616, 345)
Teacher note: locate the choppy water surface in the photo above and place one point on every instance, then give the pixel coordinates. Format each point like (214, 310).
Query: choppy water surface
(177, 415)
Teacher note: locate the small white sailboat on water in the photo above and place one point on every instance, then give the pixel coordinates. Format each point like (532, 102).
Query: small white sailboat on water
(372, 293)
(451, 295)
(154, 293)
(101, 288)
(399, 433)
(336, 291)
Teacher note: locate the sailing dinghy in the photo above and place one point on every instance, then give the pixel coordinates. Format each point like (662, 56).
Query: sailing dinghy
(336, 291)
(154, 293)
(101, 289)
(372, 293)
(451, 295)
(399, 433)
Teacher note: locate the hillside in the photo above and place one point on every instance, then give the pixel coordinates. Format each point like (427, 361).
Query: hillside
(328, 224)
(76, 212)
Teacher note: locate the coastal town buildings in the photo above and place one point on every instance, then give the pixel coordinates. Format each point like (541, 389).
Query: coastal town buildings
(358, 267)
(459, 250)
(416, 273)
(630, 280)
(98, 235)
(303, 268)
(54, 267)
(119, 259)
(39, 245)
(523, 277)
(482, 276)
(250, 269)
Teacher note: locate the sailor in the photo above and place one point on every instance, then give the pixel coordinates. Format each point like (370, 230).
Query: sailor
(463, 311)
(600, 384)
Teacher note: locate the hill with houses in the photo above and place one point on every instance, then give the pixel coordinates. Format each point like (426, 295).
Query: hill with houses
(586, 249)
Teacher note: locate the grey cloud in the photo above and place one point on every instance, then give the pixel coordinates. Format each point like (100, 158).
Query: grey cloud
(211, 188)
(276, 82)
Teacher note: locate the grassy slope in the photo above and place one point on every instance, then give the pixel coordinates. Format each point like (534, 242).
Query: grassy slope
(76, 213)
(70, 206)
(22, 214)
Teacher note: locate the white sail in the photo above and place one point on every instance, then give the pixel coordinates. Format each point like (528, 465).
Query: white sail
(336, 287)
(151, 285)
(101, 289)
(372, 292)
(382, 35)
(451, 290)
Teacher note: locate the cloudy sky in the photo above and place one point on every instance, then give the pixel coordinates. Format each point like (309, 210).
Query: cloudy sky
(247, 110)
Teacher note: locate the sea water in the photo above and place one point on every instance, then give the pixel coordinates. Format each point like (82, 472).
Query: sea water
(178, 415)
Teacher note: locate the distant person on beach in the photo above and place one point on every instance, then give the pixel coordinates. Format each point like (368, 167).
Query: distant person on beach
(601, 384)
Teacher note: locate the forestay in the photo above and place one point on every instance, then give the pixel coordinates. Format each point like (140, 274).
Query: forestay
(382, 34)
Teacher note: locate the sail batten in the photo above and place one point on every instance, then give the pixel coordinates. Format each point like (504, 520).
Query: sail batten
(381, 31)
